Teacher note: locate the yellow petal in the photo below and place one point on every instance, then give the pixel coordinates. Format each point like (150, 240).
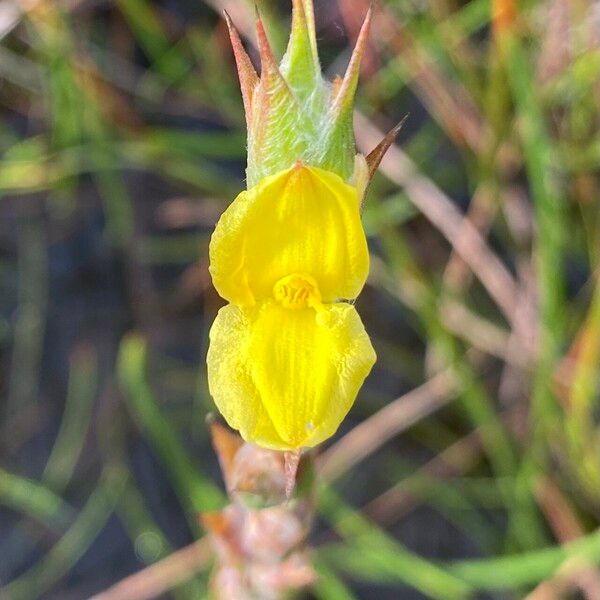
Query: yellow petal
(303, 220)
(286, 378)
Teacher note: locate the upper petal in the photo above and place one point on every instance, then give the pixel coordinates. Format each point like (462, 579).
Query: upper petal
(303, 220)
(286, 379)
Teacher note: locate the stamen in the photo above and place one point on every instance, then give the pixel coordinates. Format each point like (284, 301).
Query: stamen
(297, 291)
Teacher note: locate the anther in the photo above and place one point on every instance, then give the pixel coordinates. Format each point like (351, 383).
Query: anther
(297, 291)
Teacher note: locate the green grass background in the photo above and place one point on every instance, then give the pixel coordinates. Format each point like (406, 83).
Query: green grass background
(122, 134)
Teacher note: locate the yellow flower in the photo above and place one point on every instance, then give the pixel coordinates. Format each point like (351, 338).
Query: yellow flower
(287, 357)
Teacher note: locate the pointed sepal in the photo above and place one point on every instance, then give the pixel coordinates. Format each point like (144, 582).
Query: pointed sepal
(300, 65)
(246, 71)
(376, 155)
(344, 99)
(292, 113)
(291, 463)
(340, 142)
(272, 138)
(309, 15)
(269, 68)
(226, 445)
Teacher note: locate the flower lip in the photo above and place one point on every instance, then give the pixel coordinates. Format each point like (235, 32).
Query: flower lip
(297, 291)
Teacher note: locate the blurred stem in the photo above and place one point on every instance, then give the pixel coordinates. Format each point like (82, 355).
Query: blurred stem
(196, 492)
(76, 419)
(150, 542)
(379, 553)
(107, 169)
(35, 501)
(58, 561)
(329, 586)
(29, 325)
(76, 118)
(541, 165)
(497, 443)
(581, 428)
(452, 503)
(509, 573)
(148, 29)
(529, 568)
(475, 398)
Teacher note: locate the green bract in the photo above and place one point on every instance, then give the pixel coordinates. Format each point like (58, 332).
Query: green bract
(292, 112)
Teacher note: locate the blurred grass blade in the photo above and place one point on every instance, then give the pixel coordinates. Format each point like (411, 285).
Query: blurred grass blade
(168, 61)
(75, 425)
(194, 489)
(542, 168)
(29, 327)
(372, 551)
(520, 570)
(34, 500)
(581, 426)
(150, 543)
(329, 586)
(58, 561)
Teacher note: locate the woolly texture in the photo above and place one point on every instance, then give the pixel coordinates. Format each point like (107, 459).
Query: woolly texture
(291, 111)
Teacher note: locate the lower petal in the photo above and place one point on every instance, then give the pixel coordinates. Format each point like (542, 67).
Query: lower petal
(286, 378)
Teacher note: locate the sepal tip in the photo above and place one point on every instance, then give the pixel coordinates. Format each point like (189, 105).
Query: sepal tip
(376, 155)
